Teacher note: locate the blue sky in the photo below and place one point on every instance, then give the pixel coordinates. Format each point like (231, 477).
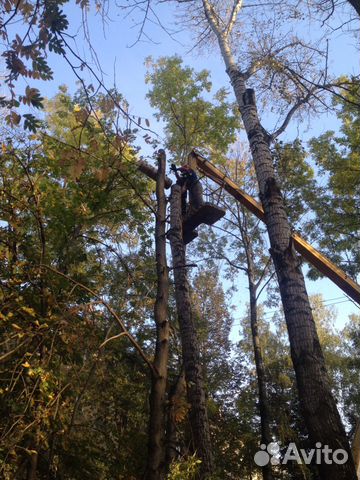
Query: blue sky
(125, 64)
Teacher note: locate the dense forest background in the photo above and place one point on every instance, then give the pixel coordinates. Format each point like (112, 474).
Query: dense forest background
(94, 377)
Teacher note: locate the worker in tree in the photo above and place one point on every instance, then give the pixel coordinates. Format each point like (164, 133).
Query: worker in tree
(186, 177)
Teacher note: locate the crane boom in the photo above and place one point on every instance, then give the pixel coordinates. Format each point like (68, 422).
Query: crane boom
(324, 265)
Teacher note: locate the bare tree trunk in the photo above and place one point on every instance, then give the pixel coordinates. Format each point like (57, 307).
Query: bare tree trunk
(318, 405)
(190, 346)
(156, 446)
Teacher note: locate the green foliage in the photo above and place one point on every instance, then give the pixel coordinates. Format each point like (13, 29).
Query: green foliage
(348, 370)
(191, 121)
(40, 28)
(336, 224)
(286, 418)
(31, 123)
(213, 318)
(185, 469)
(296, 178)
(71, 199)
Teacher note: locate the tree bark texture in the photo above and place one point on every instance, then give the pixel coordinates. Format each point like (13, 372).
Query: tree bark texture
(190, 345)
(318, 405)
(158, 399)
(319, 408)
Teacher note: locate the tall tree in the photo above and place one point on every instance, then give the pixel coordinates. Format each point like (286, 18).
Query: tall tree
(156, 458)
(319, 407)
(241, 245)
(189, 341)
(288, 424)
(179, 93)
(67, 213)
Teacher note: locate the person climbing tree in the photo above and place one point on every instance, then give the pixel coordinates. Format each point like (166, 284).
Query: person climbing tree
(188, 180)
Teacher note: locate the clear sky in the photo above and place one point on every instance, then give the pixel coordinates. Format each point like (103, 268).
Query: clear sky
(122, 60)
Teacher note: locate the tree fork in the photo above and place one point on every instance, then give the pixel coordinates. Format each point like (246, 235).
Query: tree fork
(190, 346)
(156, 444)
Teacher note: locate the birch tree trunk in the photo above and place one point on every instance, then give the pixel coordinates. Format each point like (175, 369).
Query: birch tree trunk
(156, 446)
(318, 405)
(190, 345)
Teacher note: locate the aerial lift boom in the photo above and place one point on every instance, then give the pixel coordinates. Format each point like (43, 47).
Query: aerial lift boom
(325, 266)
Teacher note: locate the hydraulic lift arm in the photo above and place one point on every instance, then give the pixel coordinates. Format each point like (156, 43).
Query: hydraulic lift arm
(325, 266)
